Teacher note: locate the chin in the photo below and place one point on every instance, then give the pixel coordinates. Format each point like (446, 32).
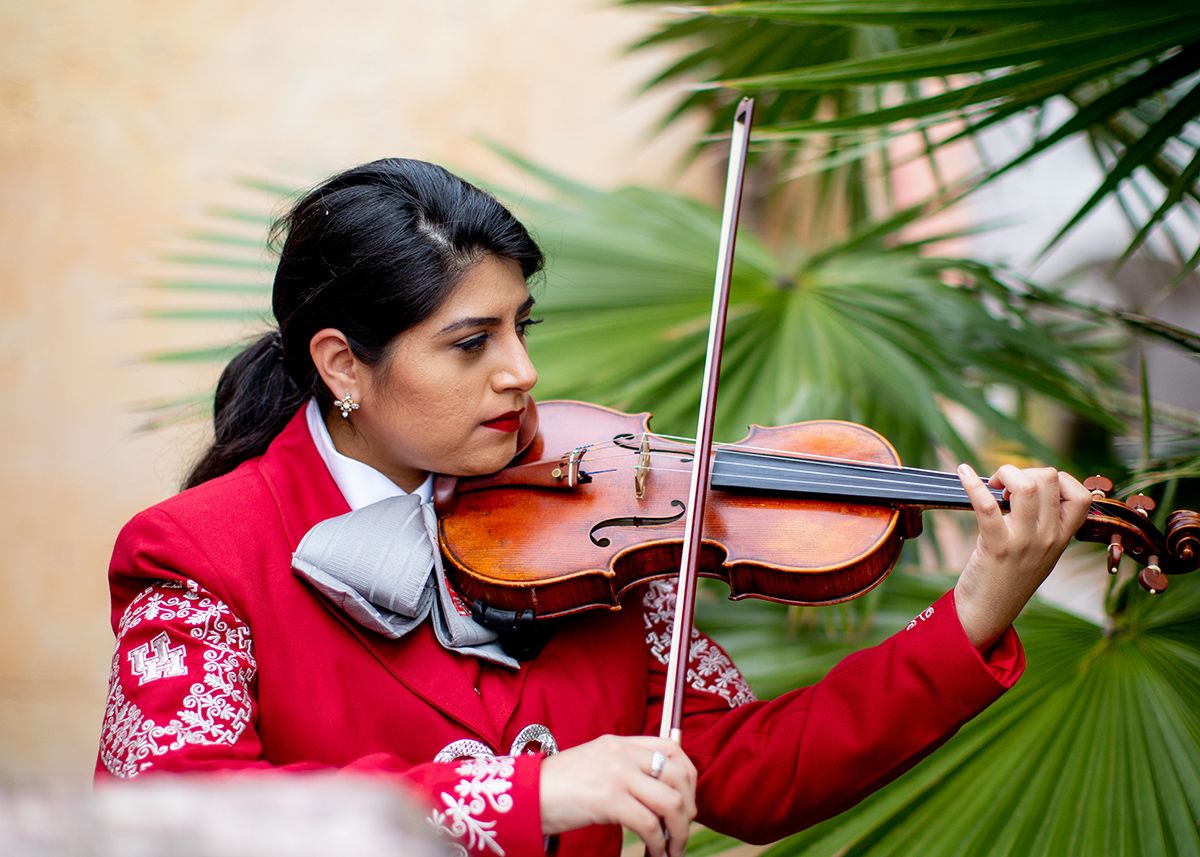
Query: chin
(489, 461)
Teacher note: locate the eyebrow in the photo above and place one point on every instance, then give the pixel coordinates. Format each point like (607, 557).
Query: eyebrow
(484, 321)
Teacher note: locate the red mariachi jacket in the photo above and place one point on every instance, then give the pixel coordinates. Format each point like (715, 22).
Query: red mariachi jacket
(226, 660)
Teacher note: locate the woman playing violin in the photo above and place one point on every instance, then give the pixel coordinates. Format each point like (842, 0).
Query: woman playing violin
(269, 617)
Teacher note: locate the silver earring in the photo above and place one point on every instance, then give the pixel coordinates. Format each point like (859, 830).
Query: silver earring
(347, 405)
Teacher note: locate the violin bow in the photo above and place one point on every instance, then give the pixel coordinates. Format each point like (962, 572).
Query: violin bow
(685, 601)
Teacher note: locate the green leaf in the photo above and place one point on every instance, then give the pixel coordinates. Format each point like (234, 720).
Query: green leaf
(1122, 65)
(1135, 156)
(1095, 751)
(206, 261)
(1175, 193)
(1018, 45)
(217, 314)
(857, 332)
(214, 286)
(212, 354)
(927, 13)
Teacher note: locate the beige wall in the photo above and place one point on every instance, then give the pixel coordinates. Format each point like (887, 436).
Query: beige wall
(121, 122)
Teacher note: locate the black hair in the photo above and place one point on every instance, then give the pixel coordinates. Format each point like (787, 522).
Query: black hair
(370, 252)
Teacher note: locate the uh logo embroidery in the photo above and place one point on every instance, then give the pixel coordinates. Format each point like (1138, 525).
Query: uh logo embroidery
(166, 661)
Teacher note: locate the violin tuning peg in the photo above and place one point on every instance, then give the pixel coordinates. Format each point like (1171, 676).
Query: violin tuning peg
(1141, 504)
(1152, 578)
(1115, 552)
(1098, 485)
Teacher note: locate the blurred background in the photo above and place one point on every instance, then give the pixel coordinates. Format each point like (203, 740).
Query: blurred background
(145, 146)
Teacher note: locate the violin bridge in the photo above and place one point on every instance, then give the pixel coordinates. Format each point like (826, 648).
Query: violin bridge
(642, 469)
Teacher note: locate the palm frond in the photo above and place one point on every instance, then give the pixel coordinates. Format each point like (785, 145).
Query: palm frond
(1093, 752)
(861, 332)
(1129, 72)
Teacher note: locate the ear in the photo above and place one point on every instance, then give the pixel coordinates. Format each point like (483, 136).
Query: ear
(336, 363)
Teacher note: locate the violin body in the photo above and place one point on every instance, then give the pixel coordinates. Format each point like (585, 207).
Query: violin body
(536, 546)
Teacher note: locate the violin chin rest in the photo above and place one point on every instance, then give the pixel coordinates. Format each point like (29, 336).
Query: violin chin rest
(503, 621)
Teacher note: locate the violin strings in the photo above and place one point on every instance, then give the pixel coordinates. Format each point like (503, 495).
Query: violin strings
(936, 484)
(636, 440)
(849, 489)
(909, 477)
(868, 471)
(846, 482)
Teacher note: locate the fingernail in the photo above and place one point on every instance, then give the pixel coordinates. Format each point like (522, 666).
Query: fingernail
(965, 470)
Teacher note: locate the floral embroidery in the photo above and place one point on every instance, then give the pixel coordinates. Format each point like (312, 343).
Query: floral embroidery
(709, 668)
(488, 785)
(485, 784)
(214, 710)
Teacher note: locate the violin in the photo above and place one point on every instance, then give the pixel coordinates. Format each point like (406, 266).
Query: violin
(811, 513)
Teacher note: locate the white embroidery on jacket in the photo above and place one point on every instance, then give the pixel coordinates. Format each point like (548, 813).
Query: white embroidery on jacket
(486, 783)
(164, 663)
(214, 710)
(533, 739)
(709, 668)
(463, 748)
(922, 616)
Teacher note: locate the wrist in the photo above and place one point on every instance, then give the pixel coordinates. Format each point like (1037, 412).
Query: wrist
(980, 625)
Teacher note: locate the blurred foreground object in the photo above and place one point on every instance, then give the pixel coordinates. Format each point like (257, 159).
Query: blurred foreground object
(226, 815)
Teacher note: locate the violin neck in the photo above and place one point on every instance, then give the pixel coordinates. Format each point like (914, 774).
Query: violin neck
(871, 484)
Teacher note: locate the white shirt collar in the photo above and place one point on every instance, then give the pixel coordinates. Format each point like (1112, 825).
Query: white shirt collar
(359, 483)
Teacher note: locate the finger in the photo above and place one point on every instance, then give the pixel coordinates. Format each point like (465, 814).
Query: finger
(1049, 502)
(677, 777)
(1023, 508)
(689, 769)
(636, 816)
(679, 760)
(987, 510)
(669, 805)
(641, 749)
(658, 763)
(1077, 502)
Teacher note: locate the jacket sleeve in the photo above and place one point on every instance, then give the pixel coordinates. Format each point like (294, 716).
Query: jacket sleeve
(769, 769)
(182, 699)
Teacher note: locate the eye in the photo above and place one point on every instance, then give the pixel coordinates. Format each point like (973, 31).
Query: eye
(523, 326)
(475, 343)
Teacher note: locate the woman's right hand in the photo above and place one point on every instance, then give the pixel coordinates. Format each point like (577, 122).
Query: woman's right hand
(608, 781)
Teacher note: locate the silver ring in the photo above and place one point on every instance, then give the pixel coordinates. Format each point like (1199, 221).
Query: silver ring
(657, 762)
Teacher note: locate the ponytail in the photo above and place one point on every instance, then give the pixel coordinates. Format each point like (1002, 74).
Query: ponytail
(255, 398)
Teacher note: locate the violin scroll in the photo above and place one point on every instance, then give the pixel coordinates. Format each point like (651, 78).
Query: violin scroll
(1127, 530)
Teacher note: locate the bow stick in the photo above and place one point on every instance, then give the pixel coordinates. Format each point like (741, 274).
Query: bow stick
(681, 629)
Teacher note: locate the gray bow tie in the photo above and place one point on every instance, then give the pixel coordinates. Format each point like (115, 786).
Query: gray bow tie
(380, 564)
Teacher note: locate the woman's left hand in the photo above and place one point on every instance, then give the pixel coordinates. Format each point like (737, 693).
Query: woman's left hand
(1014, 552)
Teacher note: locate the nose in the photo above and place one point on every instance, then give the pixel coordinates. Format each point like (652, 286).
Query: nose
(516, 371)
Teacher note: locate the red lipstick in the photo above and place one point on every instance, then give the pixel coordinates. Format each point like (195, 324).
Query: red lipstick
(506, 422)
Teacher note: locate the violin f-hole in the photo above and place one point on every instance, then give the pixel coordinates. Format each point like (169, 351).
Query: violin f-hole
(635, 521)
